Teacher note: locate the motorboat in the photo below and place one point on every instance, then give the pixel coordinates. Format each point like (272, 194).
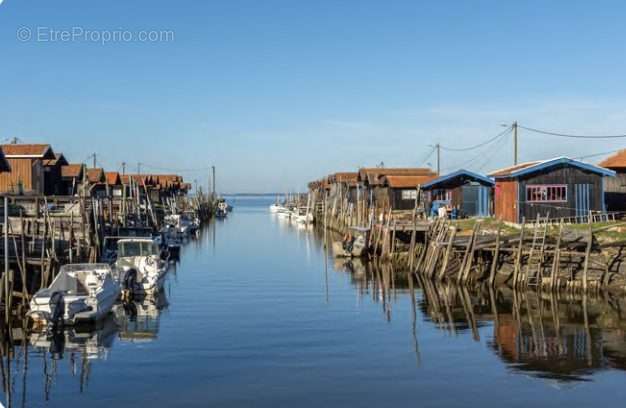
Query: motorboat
(171, 241)
(354, 245)
(142, 265)
(221, 210)
(80, 293)
(181, 224)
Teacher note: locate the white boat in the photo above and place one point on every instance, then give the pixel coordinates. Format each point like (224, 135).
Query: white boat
(274, 208)
(80, 293)
(141, 266)
(303, 216)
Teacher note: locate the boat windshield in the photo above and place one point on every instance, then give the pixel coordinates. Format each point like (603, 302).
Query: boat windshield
(136, 248)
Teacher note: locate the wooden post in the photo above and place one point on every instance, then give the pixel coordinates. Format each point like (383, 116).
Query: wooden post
(557, 259)
(518, 256)
(587, 254)
(449, 250)
(496, 256)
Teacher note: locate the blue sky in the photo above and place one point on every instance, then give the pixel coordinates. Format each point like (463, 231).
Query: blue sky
(276, 93)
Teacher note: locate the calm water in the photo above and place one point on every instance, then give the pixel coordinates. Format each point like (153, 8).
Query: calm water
(256, 315)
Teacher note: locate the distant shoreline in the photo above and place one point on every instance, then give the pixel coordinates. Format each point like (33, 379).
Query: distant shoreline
(255, 194)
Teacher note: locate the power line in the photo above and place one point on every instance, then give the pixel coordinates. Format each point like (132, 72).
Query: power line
(486, 142)
(596, 154)
(480, 155)
(550, 133)
(427, 156)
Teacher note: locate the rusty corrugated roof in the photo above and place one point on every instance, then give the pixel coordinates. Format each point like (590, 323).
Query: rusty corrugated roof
(113, 178)
(95, 175)
(343, 177)
(15, 150)
(615, 161)
(406, 181)
(72, 170)
(374, 175)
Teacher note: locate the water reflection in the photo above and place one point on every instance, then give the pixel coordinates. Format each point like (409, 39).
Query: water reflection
(562, 337)
(139, 320)
(74, 347)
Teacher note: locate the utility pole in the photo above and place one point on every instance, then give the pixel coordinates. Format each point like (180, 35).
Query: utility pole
(213, 170)
(438, 147)
(514, 126)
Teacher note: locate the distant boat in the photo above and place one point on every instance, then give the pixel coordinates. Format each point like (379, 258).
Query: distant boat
(79, 293)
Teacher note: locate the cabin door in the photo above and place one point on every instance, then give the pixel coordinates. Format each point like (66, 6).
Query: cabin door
(583, 199)
(483, 201)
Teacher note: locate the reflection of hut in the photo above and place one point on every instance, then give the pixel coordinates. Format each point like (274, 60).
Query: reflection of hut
(470, 192)
(532, 344)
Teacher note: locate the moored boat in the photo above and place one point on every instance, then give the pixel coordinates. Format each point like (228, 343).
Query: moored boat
(80, 293)
(141, 265)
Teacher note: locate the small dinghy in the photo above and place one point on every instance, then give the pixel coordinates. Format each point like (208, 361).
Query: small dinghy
(80, 293)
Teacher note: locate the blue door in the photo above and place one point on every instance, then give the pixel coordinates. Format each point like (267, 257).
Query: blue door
(483, 201)
(583, 199)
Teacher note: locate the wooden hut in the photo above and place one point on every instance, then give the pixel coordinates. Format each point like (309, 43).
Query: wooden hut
(96, 182)
(400, 192)
(72, 178)
(53, 177)
(615, 187)
(114, 184)
(26, 168)
(557, 188)
(370, 182)
(4, 164)
(471, 194)
(344, 184)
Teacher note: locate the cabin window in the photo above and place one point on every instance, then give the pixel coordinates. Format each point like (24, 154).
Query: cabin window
(441, 195)
(546, 193)
(409, 194)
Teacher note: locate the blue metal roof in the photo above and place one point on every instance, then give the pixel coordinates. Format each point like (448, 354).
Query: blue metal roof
(558, 161)
(470, 174)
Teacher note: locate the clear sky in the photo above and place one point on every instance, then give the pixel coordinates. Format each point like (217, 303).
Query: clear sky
(276, 93)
